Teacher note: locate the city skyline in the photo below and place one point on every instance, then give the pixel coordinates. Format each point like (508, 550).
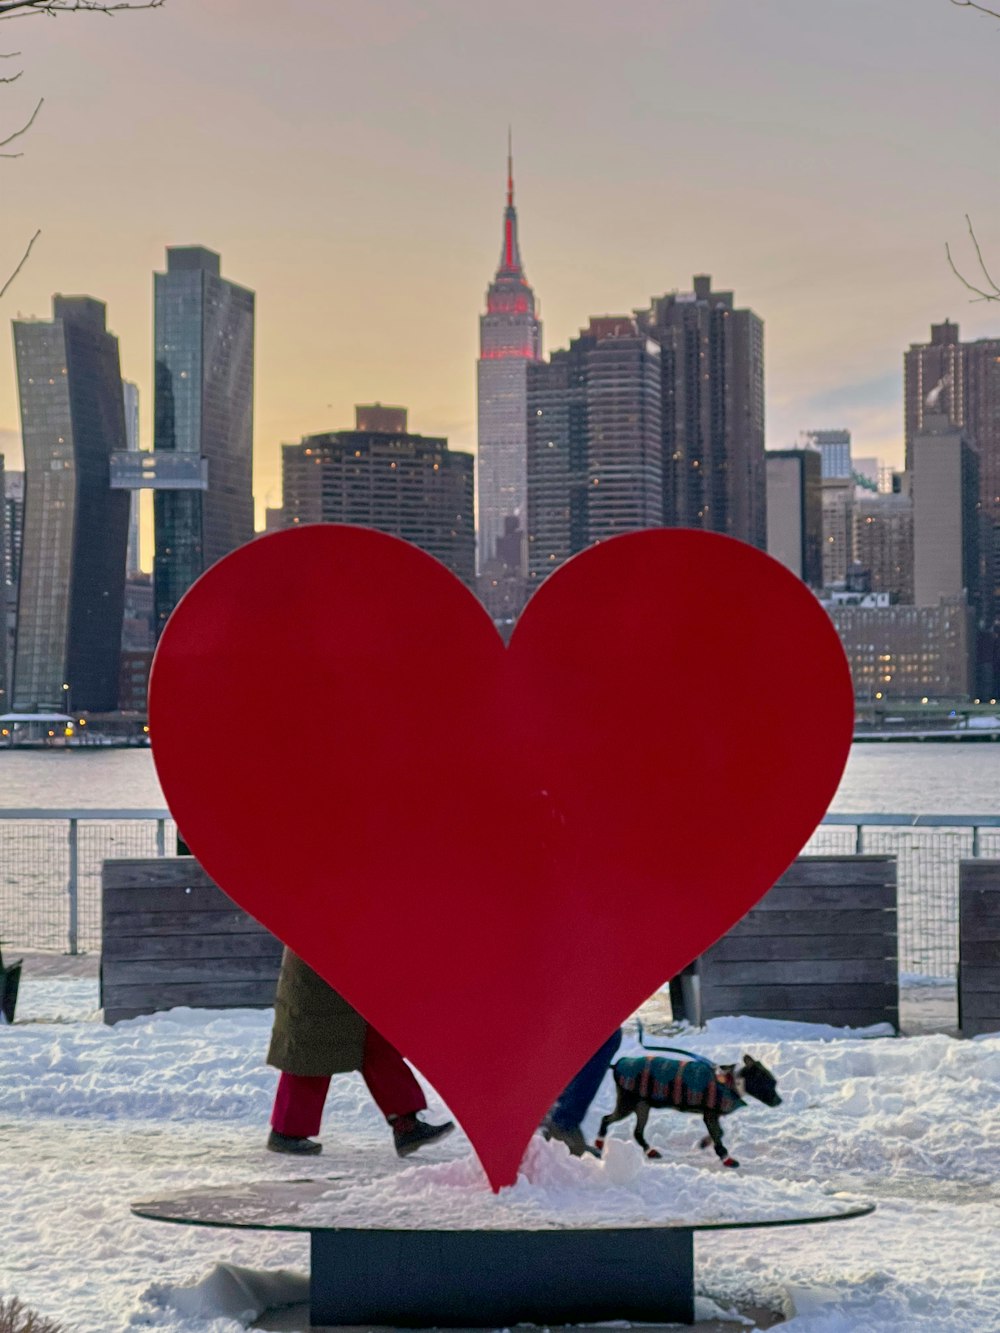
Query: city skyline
(840, 248)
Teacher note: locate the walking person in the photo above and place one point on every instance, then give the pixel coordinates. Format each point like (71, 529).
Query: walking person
(565, 1119)
(317, 1034)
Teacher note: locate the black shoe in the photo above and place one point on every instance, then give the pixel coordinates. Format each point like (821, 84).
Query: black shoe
(409, 1133)
(288, 1143)
(573, 1138)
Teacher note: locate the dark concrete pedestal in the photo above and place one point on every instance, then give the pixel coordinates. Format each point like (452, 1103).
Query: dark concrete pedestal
(476, 1279)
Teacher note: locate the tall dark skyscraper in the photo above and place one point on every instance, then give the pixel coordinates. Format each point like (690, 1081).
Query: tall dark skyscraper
(381, 476)
(510, 339)
(13, 498)
(130, 393)
(713, 412)
(204, 354)
(12, 528)
(595, 442)
(72, 576)
(4, 597)
(960, 381)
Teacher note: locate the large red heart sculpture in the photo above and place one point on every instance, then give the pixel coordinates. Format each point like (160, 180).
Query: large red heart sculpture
(497, 854)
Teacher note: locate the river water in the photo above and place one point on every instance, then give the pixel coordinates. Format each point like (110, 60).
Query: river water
(881, 778)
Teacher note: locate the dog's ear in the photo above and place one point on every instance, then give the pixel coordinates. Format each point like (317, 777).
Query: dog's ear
(747, 1061)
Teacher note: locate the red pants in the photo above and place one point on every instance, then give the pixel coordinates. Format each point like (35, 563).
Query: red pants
(298, 1103)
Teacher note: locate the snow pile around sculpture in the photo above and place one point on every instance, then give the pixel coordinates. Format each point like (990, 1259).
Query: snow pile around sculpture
(92, 1118)
(557, 1190)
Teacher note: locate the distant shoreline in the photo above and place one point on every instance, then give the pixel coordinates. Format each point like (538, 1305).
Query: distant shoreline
(923, 737)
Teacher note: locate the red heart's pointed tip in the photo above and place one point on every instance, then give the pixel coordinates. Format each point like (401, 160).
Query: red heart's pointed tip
(501, 1152)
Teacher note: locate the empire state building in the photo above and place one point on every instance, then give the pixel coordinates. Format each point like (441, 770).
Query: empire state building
(510, 335)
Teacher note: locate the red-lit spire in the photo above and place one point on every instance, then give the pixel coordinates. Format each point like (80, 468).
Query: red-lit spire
(510, 326)
(510, 259)
(510, 171)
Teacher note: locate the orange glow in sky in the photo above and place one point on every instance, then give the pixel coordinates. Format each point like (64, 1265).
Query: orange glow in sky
(348, 161)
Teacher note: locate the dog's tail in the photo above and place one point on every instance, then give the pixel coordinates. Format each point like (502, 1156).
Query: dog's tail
(673, 1050)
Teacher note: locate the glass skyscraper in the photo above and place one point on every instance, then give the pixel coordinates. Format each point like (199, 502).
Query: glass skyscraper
(72, 576)
(835, 451)
(204, 337)
(130, 393)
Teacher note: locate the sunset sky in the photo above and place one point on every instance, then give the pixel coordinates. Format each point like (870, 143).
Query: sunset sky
(346, 157)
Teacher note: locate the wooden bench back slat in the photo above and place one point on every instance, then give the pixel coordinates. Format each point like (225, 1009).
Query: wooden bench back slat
(978, 946)
(820, 947)
(171, 937)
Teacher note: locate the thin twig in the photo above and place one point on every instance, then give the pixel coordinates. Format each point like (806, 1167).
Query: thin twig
(24, 260)
(972, 4)
(980, 294)
(979, 256)
(23, 130)
(12, 78)
(23, 8)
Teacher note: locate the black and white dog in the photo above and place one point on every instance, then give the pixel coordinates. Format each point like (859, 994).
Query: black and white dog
(643, 1083)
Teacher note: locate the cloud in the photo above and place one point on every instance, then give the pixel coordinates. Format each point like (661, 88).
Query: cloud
(878, 392)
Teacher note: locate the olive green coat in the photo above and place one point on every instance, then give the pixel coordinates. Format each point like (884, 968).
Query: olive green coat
(316, 1032)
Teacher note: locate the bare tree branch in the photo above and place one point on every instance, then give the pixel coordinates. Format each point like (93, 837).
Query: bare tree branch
(22, 8)
(23, 130)
(982, 9)
(981, 295)
(24, 260)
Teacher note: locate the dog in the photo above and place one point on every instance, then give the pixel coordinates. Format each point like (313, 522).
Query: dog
(653, 1081)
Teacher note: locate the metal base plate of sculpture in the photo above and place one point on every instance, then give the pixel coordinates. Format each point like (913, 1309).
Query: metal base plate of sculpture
(427, 1274)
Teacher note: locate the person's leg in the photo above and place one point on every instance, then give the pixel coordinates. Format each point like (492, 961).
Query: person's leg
(390, 1079)
(398, 1095)
(574, 1101)
(298, 1105)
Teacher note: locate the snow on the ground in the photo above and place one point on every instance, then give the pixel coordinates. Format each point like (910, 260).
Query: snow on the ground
(92, 1118)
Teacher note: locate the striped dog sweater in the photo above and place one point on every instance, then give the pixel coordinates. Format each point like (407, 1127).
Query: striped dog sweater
(690, 1085)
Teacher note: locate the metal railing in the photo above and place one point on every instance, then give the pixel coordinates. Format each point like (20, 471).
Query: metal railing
(50, 872)
(928, 849)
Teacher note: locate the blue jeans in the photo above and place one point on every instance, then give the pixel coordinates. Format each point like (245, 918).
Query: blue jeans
(574, 1101)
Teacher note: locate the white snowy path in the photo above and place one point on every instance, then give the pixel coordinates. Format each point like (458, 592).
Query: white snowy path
(92, 1118)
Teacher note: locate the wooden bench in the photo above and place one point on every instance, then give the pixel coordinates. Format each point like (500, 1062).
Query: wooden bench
(171, 937)
(820, 947)
(978, 947)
